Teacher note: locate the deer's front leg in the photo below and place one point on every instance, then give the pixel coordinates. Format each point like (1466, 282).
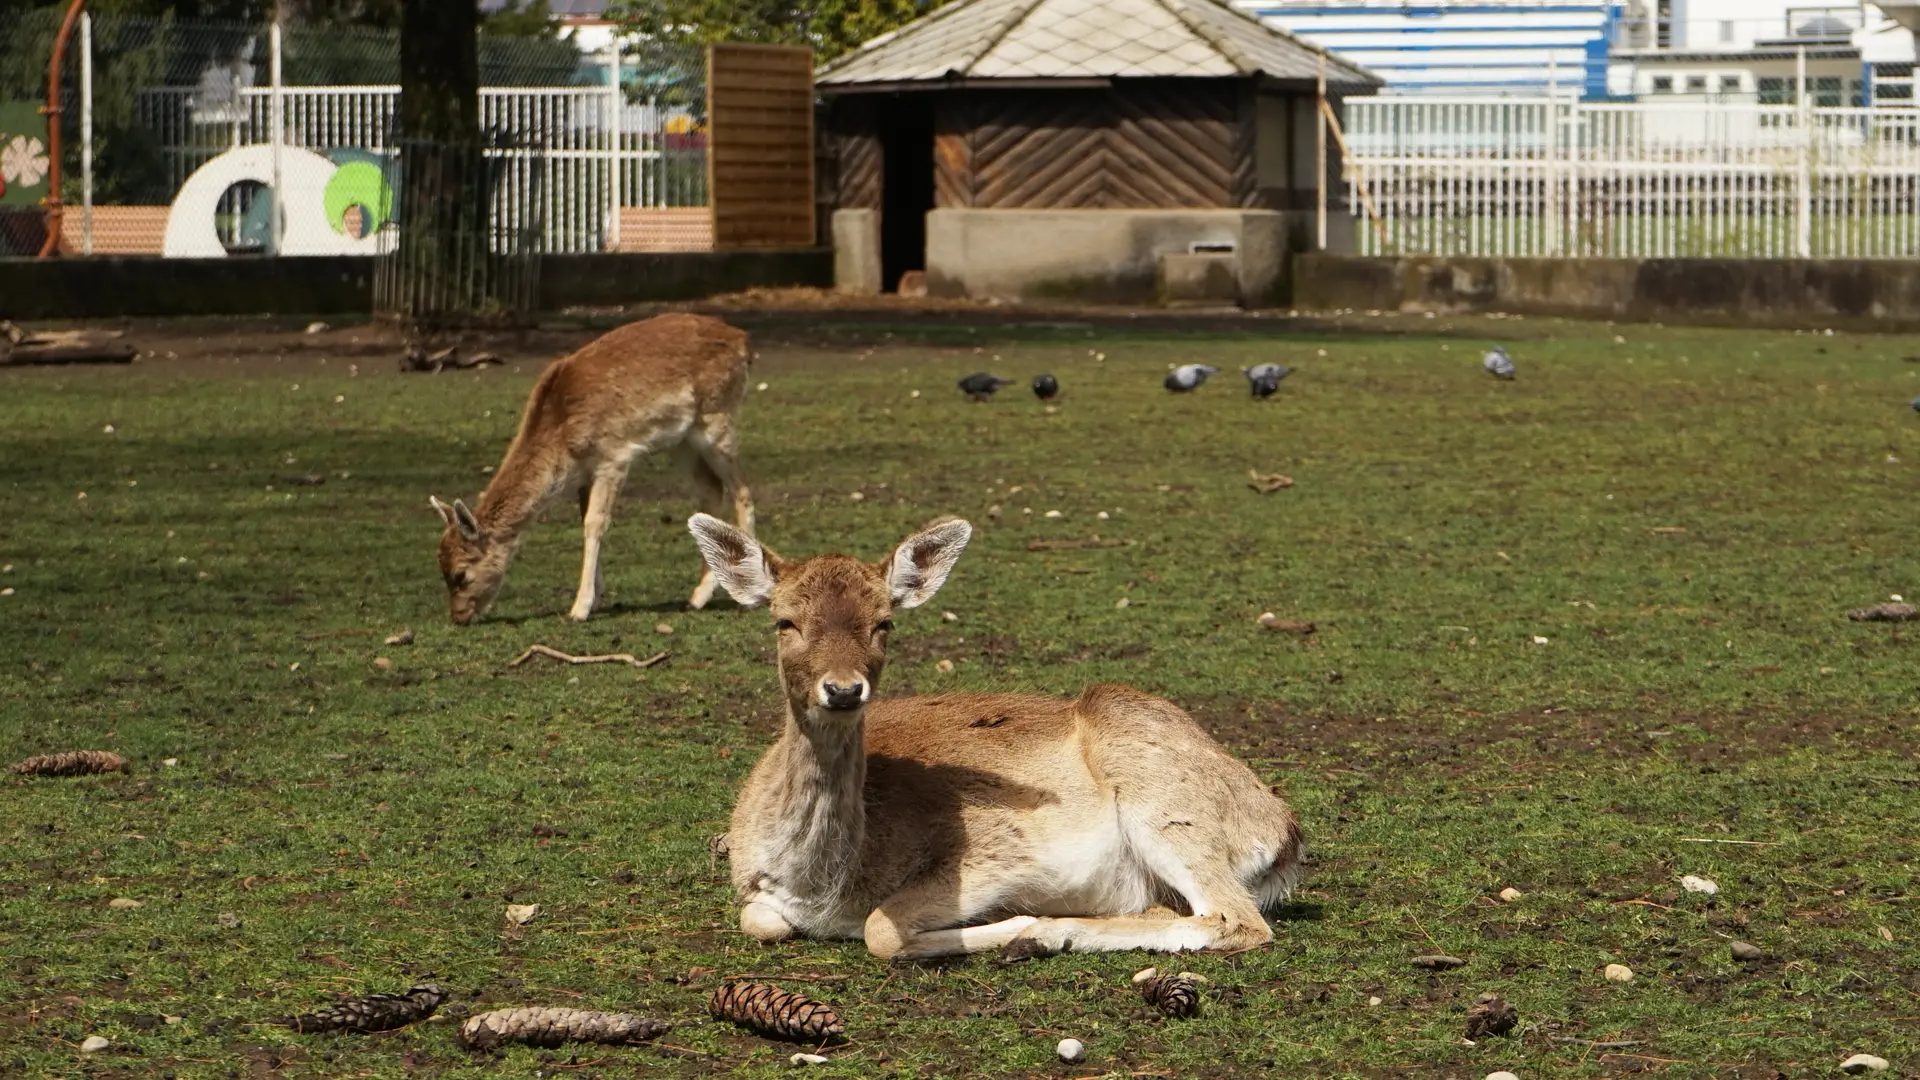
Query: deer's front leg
(594, 519)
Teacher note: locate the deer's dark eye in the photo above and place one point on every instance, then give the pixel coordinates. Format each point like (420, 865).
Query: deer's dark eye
(783, 624)
(885, 625)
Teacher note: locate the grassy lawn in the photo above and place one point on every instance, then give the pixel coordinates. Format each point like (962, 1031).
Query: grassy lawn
(1568, 629)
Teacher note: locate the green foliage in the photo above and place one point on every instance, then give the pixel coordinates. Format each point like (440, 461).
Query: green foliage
(207, 604)
(830, 27)
(521, 18)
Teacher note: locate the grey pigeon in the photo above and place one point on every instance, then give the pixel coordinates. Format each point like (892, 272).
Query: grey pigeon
(1916, 404)
(1498, 364)
(1264, 379)
(1046, 387)
(1188, 377)
(981, 386)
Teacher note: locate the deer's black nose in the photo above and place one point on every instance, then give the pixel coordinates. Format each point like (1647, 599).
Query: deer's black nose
(835, 696)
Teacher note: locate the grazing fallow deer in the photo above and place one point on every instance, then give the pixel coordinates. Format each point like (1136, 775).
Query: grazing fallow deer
(669, 382)
(960, 823)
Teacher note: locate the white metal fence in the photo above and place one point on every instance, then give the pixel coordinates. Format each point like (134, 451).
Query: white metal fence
(1554, 176)
(569, 157)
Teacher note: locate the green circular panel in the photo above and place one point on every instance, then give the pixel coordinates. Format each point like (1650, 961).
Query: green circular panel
(362, 184)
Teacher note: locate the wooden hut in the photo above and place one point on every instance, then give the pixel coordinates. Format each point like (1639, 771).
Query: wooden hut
(1067, 147)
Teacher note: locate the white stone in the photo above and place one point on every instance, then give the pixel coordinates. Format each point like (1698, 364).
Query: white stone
(1619, 973)
(94, 1044)
(124, 903)
(1863, 1063)
(1510, 894)
(1055, 514)
(1699, 885)
(1373, 1002)
(804, 1059)
(318, 328)
(1501, 1075)
(1071, 1051)
(522, 914)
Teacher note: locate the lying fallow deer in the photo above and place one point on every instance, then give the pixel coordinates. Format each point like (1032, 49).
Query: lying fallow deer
(960, 823)
(670, 382)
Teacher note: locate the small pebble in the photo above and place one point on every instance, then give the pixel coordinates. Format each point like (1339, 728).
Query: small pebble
(1538, 640)
(762, 386)
(1438, 963)
(383, 663)
(1857, 1064)
(124, 903)
(1373, 1002)
(1699, 885)
(803, 1059)
(915, 393)
(1744, 951)
(1120, 603)
(948, 616)
(175, 1021)
(1501, 1075)
(1619, 973)
(858, 496)
(663, 629)
(8, 591)
(108, 430)
(318, 328)
(1510, 894)
(1102, 515)
(171, 762)
(228, 920)
(1055, 514)
(1071, 1051)
(943, 666)
(94, 1044)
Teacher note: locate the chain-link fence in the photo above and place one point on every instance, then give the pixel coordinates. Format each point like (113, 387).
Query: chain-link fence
(169, 139)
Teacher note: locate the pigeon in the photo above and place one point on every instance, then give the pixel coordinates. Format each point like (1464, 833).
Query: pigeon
(1188, 377)
(1916, 404)
(982, 386)
(1498, 364)
(1264, 379)
(1046, 387)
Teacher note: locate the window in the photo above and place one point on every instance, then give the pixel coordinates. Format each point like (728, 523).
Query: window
(1857, 93)
(1729, 84)
(1776, 91)
(1726, 31)
(1696, 84)
(1826, 91)
(1662, 84)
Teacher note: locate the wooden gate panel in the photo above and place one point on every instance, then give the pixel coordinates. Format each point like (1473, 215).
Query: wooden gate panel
(760, 145)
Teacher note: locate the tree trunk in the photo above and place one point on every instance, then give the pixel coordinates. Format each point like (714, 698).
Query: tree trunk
(443, 243)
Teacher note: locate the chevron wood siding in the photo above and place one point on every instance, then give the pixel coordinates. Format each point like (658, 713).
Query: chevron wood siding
(1161, 144)
(854, 142)
(760, 145)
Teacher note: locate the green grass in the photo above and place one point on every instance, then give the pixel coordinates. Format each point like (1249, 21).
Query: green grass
(367, 826)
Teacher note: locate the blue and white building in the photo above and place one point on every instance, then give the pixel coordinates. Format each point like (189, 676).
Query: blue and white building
(1511, 47)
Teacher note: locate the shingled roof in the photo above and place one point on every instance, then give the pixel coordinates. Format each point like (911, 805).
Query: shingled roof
(1084, 39)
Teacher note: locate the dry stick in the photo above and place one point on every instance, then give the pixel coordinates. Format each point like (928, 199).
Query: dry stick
(795, 978)
(1347, 160)
(1743, 843)
(1896, 779)
(337, 633)
(1617, 1044)
(1075, 545)
(609, 658)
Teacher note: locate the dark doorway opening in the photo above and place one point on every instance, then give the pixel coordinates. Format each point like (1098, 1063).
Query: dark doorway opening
(906, 148)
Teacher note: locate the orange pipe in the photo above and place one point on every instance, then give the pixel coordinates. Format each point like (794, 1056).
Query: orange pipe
(54, 210)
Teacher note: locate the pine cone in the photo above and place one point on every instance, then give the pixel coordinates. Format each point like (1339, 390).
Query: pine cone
(375, 1012)
(72, 763)
(552, 1027)
(776, 1013)
(1490, 1016)
(1174, 995)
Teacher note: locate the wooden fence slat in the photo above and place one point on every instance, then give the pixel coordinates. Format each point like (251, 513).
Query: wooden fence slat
(760, 150)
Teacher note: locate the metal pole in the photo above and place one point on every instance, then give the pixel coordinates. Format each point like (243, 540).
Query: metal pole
(616, 145)
(277, 137)
(54, 213)
(86, 133)
(1319, 158)
(1553, 156)
(1803, 176)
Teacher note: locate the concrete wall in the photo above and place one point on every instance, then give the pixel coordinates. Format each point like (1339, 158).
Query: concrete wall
(1101, 256)
(108, 287)
(856, 251)
(1881, 294)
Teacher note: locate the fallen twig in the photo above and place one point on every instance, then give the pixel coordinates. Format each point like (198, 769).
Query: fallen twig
(1896, 779)
(337, 633)
(609, 658)
(1744, 843)
(1617, 1044)
(794, 978)
(1075, 545)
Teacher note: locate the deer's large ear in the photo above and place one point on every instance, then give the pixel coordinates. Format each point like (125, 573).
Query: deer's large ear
(744, 568)
(457, 516)
(920, 565)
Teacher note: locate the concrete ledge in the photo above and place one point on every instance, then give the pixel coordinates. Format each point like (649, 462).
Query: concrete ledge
(109, 287)
(1097, 256)
(1881, 294)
